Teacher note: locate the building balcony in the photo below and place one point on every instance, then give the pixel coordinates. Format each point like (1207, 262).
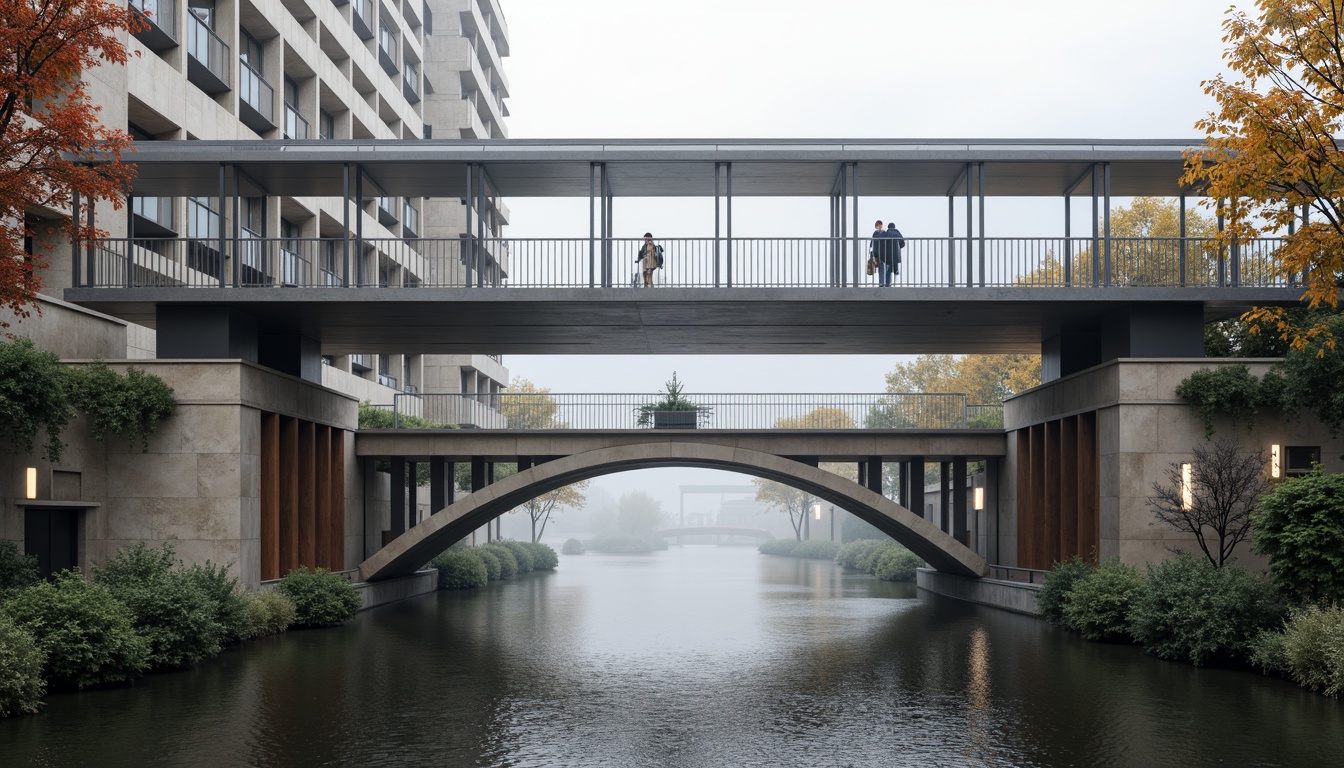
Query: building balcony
(410, 220)
(296, 127)
(207, 57)
(160, 17)
(387, 210)
(387, 381)
(256, 99)
(361, 18)
(387, 61)
(410, 83)
(152, 217)
(359, 363)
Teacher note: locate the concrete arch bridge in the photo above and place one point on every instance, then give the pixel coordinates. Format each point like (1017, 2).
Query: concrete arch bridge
(588, 455)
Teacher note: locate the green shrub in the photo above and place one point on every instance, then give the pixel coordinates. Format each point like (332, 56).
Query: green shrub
(33, 397)
(816, 550)
(897, 564)
(1100, 603)
(508, 564)
(16, 570)
(1054, 595)
(1267, 651)
(1300, 525)
(87, 635)
(856, 552)
(1228, 390)
(621, 544)
(1188, 610)
(171, 609)
(782, 547)
(868, 559)
(491, 562)
(543, 557)
(129, 405)
(321, 598)
(21, 660)
(226, 597)
(1310, 377)
(520, 553)
(1313, 649)
(268, 613)
(572, 547)
(460, 569)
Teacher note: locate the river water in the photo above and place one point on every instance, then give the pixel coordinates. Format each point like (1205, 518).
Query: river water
(695, 656)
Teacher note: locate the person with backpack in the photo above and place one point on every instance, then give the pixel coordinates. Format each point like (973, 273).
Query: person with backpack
(889, 262)
(650, 258)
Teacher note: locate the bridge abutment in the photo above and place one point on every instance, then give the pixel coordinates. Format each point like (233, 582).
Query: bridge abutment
(190, 332)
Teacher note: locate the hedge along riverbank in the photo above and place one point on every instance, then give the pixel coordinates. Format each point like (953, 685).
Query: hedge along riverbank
(143, 610)
(884, 559)
(472, 567)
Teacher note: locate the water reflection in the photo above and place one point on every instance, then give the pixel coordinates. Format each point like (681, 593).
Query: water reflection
(691, 657)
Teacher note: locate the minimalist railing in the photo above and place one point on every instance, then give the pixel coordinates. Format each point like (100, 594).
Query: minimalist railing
(521, 410)
(162, 17)
(254, 91)
(207, 48)
(1017, 262)
(1013, 573)
(296, 125)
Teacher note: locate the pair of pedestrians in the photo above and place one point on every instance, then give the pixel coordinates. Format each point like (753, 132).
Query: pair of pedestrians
(885, 254)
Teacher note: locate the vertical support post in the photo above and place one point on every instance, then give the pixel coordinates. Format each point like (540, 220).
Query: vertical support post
(951, 235)
(728, 250)
(1068, 239)
(1180, 248)
(359, 225)
(480, 227)
(902, 482)
(717, 206)
(412, 488)
(854, 217)
(944, 521)
(960, 530)
(592, 225)
(437, 485)
(915, 483)
(130, 249)
(980, 186)
(1107, 170)
(1236, 249)
(237, 228)
(345, 226)
(970, 227)
(469, 247)
(74, 242)
(397, 524)
(1096, 241)
(1222, 251)
(223, 193)
(874, 474)
(478, 476)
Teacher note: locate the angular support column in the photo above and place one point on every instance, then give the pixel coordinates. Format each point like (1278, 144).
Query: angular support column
(960, 529)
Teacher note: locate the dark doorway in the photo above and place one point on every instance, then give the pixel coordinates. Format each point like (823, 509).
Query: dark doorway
(52, 535)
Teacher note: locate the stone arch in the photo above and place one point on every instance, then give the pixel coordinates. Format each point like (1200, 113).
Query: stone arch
(413, 549)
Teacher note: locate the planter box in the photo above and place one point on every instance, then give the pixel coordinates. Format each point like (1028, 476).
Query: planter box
(675, 419)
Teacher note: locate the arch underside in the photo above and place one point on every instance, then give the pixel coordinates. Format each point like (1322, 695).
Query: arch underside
(410, 551)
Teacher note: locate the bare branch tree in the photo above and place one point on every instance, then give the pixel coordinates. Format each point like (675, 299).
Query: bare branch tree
(1215, 505)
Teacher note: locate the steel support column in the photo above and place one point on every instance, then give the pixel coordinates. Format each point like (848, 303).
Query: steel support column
(1068, 240)
(944, 521)
(438, 484)
(728, 249)
(874, 474)
(237, 228)
(915, 484)
(1096, 240)
(980, 187)
(359, 225)
(223, 193)
(1180, 257)
(468, 246)
(412, 502)
(960, 530)
(592, 225)
(717, 210)
(345, 226)
(1106, 167)
(854, 215)
(1222, 249)
(480, 227)
(397, 524)
(74, 242)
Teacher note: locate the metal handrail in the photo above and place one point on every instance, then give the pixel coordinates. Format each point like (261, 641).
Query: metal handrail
(296, 126)
(255, 91)
(160, 13)
(1027, 575)
(559, 411)
(206, 47)
(1010, 262)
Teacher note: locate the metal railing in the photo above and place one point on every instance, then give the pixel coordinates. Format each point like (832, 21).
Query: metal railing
(1013, 573)
(520, 410)
(296, 126)
(162, 14)
(1018, 262)
(206, 47)
(254, 91)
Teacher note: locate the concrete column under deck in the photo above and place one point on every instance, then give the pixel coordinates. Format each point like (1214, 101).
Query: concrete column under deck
(1156, 330)
(223, 332)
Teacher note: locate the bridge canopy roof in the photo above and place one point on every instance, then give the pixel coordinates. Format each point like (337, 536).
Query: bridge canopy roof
(664, 168)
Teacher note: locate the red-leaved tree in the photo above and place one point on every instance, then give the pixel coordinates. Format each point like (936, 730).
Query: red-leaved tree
(48, 126)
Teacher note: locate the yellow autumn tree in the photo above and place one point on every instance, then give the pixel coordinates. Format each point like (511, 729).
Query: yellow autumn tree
(1270, 150)
(542, 507)
(793, 501)
(527, 406)
(983, 379)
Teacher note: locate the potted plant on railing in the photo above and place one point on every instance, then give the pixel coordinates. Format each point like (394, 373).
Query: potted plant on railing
(672, 411)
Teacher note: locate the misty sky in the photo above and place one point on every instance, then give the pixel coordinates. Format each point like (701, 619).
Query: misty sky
(841, 69)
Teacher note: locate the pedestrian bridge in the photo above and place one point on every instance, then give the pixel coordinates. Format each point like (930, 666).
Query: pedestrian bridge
(714, 530)
(337, 288)
(552, 458)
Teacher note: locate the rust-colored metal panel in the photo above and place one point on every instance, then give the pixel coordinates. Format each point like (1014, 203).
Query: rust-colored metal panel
(307, 500)
(336, 545)
(1054, 528)
(1068, 487)
(322, 496)
(1026, 502)
(289, 494)
(1089, 486)
(270, 496)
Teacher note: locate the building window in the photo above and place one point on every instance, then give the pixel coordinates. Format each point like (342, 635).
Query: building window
(203, 10)
(249, 50)
(1301, 459)
(326, 125)
(202, 219)
(296, 127)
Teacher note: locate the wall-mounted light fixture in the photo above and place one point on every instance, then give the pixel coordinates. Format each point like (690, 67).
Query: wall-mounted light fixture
(1187, 488)
(816, 511)
(1275, 461)
(31, 478)
(979, 502)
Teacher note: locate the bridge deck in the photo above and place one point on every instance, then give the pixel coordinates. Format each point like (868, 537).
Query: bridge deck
(826, 445)
(679, 320)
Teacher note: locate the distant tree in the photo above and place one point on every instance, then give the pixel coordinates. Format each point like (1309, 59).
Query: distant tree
(527, 406)
(540, 508)
(48, 125)
(785, 498)
(1225, 487)
(984, 379)
(1271, 149)
(1308, 379)
(817, 418)
(638, 514)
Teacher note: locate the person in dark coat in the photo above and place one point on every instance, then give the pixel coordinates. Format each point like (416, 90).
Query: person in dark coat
(889, 262)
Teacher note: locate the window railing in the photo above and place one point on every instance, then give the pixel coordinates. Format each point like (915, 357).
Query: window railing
(410, 218)
(254, 91)
(162, 18)
(362, 18)
(361, 362)
(296, 127)
(206, 47)
(387, 381)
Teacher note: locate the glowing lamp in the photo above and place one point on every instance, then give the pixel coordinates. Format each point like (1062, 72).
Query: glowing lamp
(979, 503)
(1275, 467)
(1187, 489)
(816, 511)
(31, 478)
